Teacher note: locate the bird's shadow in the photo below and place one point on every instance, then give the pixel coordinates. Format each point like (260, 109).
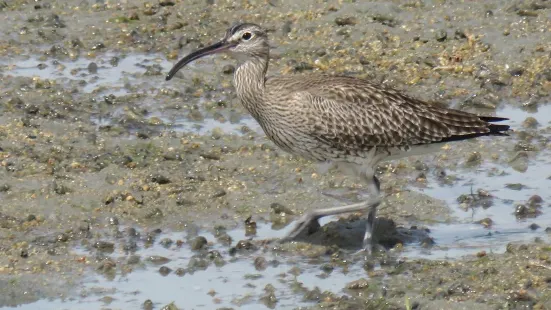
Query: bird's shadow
(348, 233)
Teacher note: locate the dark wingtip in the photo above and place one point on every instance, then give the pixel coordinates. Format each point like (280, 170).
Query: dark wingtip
(491, 119)
(499, 129)
(168, 78)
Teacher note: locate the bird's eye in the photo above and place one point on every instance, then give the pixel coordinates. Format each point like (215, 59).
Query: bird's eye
(247, 36)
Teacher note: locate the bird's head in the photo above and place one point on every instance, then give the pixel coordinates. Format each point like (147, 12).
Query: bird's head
(242, 41)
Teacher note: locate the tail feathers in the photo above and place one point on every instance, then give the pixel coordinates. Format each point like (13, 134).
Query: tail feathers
(494, 130)
(498, 130)
(492, 119)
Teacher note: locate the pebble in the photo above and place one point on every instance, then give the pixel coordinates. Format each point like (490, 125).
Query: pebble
(157, 259)
(441, 35)
(93, 68)
(278, 208)
(358, 284)
(104, 246)
(159, 179)
(133, 260)
(166, 2)
(530, 123)
(260, 263)
(165, 271)
(345, 21)
(148, 305)
(180, 272)
(198, 243)
(535, 200)
(228, 69)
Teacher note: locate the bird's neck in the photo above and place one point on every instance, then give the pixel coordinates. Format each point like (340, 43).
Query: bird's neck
(249, 80)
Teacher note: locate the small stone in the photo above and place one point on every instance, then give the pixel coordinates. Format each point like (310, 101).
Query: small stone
(165, 271)
(198, 243)
(24, 253)
(516, 71)
(364, 61)
(133, 16)
(166, 2)
(114, 221)
(515, 186)
(535, 200)
(546, 74)
(130, 246)
(530, 123)
(148, 305)
(211, 156)
(180, 272)
(302, 66)
(98, 46)
(166, 242)
(250, 227)
(327, 268)
(527, 13)
(104, 246)
(474, 157)
(219, 193)
(62, 237)
(133, 260)
(93, 68)
(358, 284)
(427, 242)
(524, 211)
(260, 263)
(158, 260)
(286, 28)
(228, 69)
(278, 208)
(441, 35)
(159, 179)
(214, 254)
(346, 21)
(154, 213)
(197, 264)
(245, 245)
(486, 222)
(534, 226)
(132, 232)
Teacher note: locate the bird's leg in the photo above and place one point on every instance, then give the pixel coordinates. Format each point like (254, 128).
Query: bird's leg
(371, 205)
(374, 187)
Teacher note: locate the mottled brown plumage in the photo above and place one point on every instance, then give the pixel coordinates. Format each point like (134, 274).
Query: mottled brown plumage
(338, 119)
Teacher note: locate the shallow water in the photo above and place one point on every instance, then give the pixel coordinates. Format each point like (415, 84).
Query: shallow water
(111, 74)
(191, 290)
(464, 238)
(116, 79)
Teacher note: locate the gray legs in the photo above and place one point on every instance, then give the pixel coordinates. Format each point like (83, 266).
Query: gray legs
(370, 205)
(368, 241)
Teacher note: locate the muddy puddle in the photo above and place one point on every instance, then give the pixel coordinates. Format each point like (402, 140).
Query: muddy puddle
(108, 76)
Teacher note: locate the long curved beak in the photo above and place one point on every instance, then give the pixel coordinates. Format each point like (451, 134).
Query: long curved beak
(209, 50)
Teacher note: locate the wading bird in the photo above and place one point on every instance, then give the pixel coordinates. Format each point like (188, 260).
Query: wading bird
(339, 119)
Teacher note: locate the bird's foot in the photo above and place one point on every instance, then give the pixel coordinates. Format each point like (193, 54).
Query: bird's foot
(308, 222)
